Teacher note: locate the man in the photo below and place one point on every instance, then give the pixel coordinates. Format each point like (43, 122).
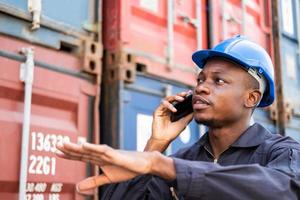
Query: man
(233, 160)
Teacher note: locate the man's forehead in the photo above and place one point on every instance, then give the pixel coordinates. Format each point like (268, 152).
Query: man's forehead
(221, 65)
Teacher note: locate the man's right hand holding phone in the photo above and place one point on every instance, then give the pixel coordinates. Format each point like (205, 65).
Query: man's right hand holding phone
(163, 130)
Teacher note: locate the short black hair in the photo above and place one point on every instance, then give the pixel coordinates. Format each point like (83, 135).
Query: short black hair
(251, 83)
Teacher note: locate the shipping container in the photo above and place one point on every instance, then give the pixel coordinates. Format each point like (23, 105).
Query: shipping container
(228, 18)
(54, 23)
(131, 106)
(289, 42)
(61, 109)
(158, 37)
(50, 66)
(70, 26)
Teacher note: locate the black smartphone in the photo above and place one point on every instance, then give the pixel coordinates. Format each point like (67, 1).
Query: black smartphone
(183, 108)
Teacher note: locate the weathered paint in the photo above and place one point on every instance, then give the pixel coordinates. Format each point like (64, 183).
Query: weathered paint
(289, 41)
(229, 18)
(62, 109)
(139, 27)
(62, 22)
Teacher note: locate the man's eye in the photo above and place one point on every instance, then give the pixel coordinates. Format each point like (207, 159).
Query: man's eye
(220, 81)
(200, 80)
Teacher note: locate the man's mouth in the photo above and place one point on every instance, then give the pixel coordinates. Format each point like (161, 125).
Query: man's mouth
(200, 103)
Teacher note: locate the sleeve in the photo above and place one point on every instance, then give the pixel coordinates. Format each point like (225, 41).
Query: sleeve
(205, 180)
(143, 187)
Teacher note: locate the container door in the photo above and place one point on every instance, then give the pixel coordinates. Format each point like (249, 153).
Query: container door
(61, 110)
(251, 18)
(161, 35)
(290, 52)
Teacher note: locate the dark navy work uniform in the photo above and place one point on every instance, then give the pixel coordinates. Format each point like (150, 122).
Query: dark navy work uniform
(259, 165)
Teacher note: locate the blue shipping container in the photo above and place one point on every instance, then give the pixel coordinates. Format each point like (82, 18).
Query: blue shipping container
(290, 51)
(63, 24)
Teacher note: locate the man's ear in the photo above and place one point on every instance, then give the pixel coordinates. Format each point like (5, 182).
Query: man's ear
(252, 99)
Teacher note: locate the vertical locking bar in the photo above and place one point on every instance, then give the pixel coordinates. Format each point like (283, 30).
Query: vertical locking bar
(35, 8)
(26, 76)
(170, 48)
(244, 12)
(199, 24)
(224, 19)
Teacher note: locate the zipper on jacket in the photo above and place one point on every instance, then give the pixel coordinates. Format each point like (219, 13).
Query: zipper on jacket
(174, 195)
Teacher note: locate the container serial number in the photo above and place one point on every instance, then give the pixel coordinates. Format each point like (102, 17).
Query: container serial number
(46, 142)
(42, 165)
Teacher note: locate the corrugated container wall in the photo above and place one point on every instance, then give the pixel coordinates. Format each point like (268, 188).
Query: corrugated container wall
(58, 38)
(154, 37)
(148, 46)
(289, 41)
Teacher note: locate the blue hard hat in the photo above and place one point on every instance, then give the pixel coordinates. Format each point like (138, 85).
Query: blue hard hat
(248, 55)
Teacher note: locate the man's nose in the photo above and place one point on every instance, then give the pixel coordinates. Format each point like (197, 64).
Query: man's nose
(202, 88)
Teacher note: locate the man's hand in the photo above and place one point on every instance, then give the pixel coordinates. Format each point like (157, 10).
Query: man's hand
(110, 174)
(117, 165)
(163, 130)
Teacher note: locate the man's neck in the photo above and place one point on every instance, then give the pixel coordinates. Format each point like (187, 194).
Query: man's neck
(221, 138)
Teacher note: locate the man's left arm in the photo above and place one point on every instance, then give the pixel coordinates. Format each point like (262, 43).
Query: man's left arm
(280, 179)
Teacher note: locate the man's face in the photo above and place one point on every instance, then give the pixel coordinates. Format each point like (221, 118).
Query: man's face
(220, 93)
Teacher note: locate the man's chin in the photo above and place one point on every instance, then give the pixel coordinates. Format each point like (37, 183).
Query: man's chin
(208, 122)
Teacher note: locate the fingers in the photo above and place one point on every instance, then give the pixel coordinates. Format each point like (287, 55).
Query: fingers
(69, 149)
(117, 174)
(167, 102)
(74, 151)
(111, 174)
(134, 161)
(187, 119)
(101, 155)
(96, 149)
(92, 183)
(168, 105)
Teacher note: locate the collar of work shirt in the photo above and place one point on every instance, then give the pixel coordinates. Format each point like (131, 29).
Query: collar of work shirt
(253, 136)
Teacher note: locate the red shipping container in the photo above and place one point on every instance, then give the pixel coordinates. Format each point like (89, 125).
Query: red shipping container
(158, 37)
(250, 18)
(61, 109)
